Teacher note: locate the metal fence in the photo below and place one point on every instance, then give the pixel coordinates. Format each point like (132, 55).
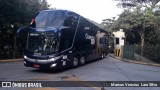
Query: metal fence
(150, 53)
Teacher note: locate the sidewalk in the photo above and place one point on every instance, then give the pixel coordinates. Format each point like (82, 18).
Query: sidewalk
(11, 60)
(134, 61)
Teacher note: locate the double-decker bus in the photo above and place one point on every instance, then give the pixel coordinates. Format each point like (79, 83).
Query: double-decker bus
(62, 38)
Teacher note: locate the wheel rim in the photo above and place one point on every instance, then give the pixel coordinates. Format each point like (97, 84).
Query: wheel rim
(82, 60)
(75, 62)
(102, 56)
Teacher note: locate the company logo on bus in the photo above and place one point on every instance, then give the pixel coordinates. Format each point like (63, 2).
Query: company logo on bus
(88, 36)
(92, 38)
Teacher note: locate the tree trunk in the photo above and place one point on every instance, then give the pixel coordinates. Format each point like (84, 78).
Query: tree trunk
(142, 38)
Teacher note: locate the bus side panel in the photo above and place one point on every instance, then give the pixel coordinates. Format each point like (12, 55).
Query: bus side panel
(86, 40)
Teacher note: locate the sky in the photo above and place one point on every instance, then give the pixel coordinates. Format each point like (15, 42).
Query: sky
(95, 10)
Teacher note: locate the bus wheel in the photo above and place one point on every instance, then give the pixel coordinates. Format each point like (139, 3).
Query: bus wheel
(75, 62)
(102, 56)
(82, 60)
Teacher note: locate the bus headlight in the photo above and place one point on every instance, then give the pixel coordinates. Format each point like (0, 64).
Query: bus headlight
(53, 65)
(25, 57)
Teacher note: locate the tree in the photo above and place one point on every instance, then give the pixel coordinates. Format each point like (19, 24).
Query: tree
(15, 13)
(108, 25)
(137, 3)
(140, 17)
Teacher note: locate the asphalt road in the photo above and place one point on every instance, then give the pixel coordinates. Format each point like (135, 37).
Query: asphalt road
(108, 69)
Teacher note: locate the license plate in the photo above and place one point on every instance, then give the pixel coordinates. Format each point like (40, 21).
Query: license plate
(36, 66)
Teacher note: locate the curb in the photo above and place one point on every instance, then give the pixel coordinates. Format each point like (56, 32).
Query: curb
(136, 62)
(11, 60)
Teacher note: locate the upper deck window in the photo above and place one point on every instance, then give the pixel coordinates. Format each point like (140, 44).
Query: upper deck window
(71, 20)
(49, 19)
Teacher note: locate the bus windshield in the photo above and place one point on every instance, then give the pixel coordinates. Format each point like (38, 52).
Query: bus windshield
(49, 19)
(42, 43)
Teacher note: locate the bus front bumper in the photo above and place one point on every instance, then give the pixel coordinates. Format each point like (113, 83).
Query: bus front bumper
(44, 64)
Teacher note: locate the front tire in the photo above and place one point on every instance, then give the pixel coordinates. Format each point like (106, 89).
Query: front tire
(75, 62)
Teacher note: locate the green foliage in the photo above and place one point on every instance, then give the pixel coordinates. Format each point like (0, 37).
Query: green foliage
(107, 24)
(142, 18)
(15, 13)
(130, 4)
